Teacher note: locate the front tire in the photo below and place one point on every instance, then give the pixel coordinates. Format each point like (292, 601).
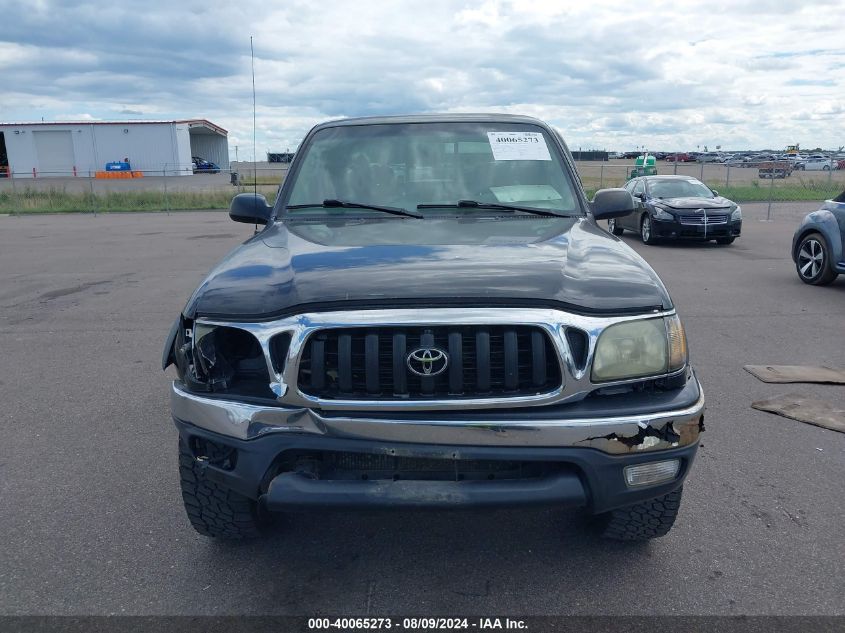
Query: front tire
(614, 228)
(212, 509)
(813, 262)
(642, 521)
(647, 230)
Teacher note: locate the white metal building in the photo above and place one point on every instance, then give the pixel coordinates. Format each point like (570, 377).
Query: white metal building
(82, 148)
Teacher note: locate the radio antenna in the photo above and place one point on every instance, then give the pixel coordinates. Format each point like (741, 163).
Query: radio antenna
(254, 145)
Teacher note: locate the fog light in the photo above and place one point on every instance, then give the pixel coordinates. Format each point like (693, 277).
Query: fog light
(652, 473)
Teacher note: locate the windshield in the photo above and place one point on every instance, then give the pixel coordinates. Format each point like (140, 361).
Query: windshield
(406, 165)
(679, 189)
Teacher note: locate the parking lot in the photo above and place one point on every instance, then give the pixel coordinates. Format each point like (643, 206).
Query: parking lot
(91, 513)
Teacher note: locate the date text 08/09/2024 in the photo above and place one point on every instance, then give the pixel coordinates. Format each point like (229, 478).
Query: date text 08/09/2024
(415, 624)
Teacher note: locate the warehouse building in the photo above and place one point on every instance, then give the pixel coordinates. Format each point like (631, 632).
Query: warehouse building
(82, 148)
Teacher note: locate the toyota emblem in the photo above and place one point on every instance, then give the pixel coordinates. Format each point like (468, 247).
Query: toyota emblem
(427, 361)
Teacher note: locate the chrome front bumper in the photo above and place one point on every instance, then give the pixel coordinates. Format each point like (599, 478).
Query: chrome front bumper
(616, 435)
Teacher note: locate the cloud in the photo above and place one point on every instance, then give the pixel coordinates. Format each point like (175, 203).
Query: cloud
(726, 73)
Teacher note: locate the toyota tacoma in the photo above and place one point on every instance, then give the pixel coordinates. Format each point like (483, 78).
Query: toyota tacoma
(431, 316)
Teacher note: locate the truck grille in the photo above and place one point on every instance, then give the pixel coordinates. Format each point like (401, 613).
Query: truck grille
(698, 220)
(462, 362)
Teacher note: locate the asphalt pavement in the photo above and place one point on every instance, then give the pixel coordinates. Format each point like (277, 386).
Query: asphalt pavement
(91, 516)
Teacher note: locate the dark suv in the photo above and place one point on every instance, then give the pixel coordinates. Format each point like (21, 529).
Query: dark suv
(432, 317)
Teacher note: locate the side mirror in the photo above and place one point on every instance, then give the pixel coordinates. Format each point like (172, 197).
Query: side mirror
(715, 193)
(612, 203)
(251, 208)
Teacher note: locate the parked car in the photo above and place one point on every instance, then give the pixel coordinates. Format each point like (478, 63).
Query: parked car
(679, 207)
(817, 164)
(394, 339)
(680, 157)
(818, 245)
(711, 157)
(202, 166)
(774, 169)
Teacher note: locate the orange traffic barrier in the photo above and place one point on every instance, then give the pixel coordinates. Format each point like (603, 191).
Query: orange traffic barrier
(118, 174)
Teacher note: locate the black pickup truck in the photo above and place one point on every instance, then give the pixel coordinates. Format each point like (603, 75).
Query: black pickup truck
(432, 317)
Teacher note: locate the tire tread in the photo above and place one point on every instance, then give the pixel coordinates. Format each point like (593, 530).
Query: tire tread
(643, 521)
(212, 509)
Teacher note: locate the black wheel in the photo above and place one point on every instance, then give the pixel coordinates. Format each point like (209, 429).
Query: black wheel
(724, 241)
(212, 509)
(641, 521)
(614, 228)
(826, 168)
(646, 230)
(813, 262)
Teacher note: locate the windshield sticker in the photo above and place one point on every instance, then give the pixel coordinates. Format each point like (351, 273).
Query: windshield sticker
(518, 146)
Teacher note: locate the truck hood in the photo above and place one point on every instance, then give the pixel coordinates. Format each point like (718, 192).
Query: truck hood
(300, 265)
(696, 203)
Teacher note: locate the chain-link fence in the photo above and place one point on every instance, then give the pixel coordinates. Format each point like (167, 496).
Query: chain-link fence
(780, 181)
(136, 190)
(165, 190)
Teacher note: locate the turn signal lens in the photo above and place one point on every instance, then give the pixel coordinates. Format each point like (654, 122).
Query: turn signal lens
(677, 343)
(651, 473)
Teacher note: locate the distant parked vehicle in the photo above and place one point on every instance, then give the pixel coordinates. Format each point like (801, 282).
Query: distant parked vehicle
(202, 166)
(817, 164)
(817, 245)
(774, 169)
(679, 207)
(680, 157)
(711, 157)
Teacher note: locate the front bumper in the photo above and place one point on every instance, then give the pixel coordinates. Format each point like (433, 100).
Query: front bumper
(673, 229)
(616, 430)
(590, 453)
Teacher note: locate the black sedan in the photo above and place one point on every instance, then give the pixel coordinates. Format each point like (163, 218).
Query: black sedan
(679, 207)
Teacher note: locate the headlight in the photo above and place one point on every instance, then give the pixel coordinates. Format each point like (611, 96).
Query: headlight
(221, 357)
(736, 214)
(210, 365)
(660, 214)
(635, 349)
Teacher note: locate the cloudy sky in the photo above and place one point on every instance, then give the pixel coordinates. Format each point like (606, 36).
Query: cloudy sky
(613, 75)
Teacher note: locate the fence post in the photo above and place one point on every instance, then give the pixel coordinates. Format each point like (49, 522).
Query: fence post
(15, 201)
(771, 191)
(676, 165)
(728, 176)
(601, 177)
(702, 172)
(91, 189)
(166, 197)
